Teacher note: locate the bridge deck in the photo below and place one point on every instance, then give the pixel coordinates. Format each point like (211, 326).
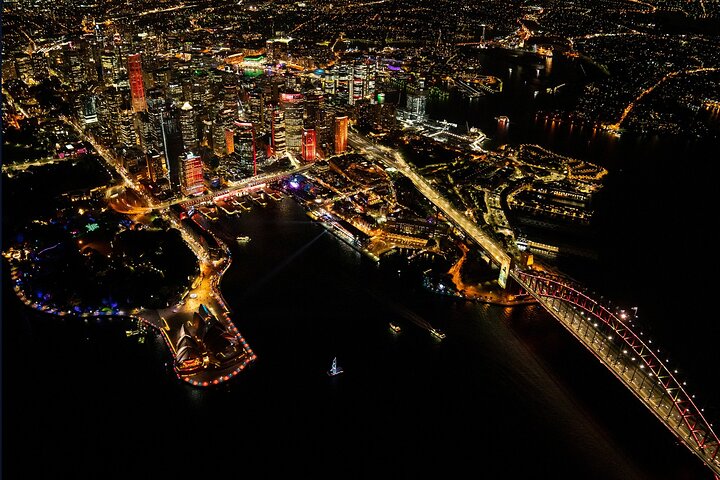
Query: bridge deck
(630, 359)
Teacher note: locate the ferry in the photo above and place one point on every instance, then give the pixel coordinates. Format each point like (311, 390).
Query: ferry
(242, 240)
(334, 369)
(395, 328)
(437, 334)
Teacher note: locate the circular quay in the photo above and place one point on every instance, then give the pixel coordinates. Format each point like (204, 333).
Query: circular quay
(360, 239)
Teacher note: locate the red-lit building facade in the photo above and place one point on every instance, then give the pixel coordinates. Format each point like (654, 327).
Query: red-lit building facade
(137, 85)
(191, 174)
(309, 142)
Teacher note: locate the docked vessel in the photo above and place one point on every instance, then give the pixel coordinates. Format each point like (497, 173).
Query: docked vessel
(334, 369)
(437, 333)
(242, 240)
(395, 328)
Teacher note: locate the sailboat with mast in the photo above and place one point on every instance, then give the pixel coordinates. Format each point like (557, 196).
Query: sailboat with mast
(334, 369)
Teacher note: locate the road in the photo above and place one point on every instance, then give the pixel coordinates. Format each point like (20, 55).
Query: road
(391, 158)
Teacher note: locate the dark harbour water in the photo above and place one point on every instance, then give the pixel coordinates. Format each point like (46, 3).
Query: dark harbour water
(508, 394)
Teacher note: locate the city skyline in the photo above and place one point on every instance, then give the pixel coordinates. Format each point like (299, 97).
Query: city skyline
(519, 158)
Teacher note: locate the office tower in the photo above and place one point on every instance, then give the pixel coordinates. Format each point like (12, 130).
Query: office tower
(245, 144)
(292, 105)
(89, 109)
(108, 68)
(192, 174)
(155, 166)
(341, 133)
(74, 67)
(317, 118)
(126, 129)
(230, 98)
(416, 104)
(222, 141)
(137, 85)
(309, 142)
(188, 126)
(277, 132)
(229, 140)
(314, 109)
(172, 143)
(256, 107)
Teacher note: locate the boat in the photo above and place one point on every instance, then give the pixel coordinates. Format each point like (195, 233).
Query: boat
(437, 334)
(395, 328)
(242, 240)
(334, 370)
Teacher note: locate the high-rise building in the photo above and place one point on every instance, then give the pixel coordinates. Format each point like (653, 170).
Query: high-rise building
(256, 111)
(9, 71)
(39, 65)
(245, 144)
(309, 141)
(230, 97)
(277, 132)
(155, 165)
(358, 82)
(174, 91)
(192, 174)
(188, 126)
(126, 128)
(89, 109)
(416, 104)
(292, 105)
(119, 63)
(278, 48)
(74, 67)
(172, 144)
(317, 118)
(137, 84)
(108, 68)
(229, 140)
(341, 133)
(314, 109)
(222, 140)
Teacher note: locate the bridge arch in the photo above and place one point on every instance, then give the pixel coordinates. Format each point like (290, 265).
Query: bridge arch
(629, 357)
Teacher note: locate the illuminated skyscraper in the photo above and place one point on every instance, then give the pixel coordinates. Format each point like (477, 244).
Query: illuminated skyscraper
(314, 109)
(245, 144)
(188, 126)
(172, 144)
(318, 119)
(229, 140)
(89, 109)
(309, 140)
(222, 133)
(277, 132)
(155, 165)
(126, 129)
(292, 105)
(192, 174)
(256, 107)
(416, 104)
(341, 133)
(137, 85)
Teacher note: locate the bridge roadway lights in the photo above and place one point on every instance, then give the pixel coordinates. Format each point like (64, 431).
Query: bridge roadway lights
(674, 407)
